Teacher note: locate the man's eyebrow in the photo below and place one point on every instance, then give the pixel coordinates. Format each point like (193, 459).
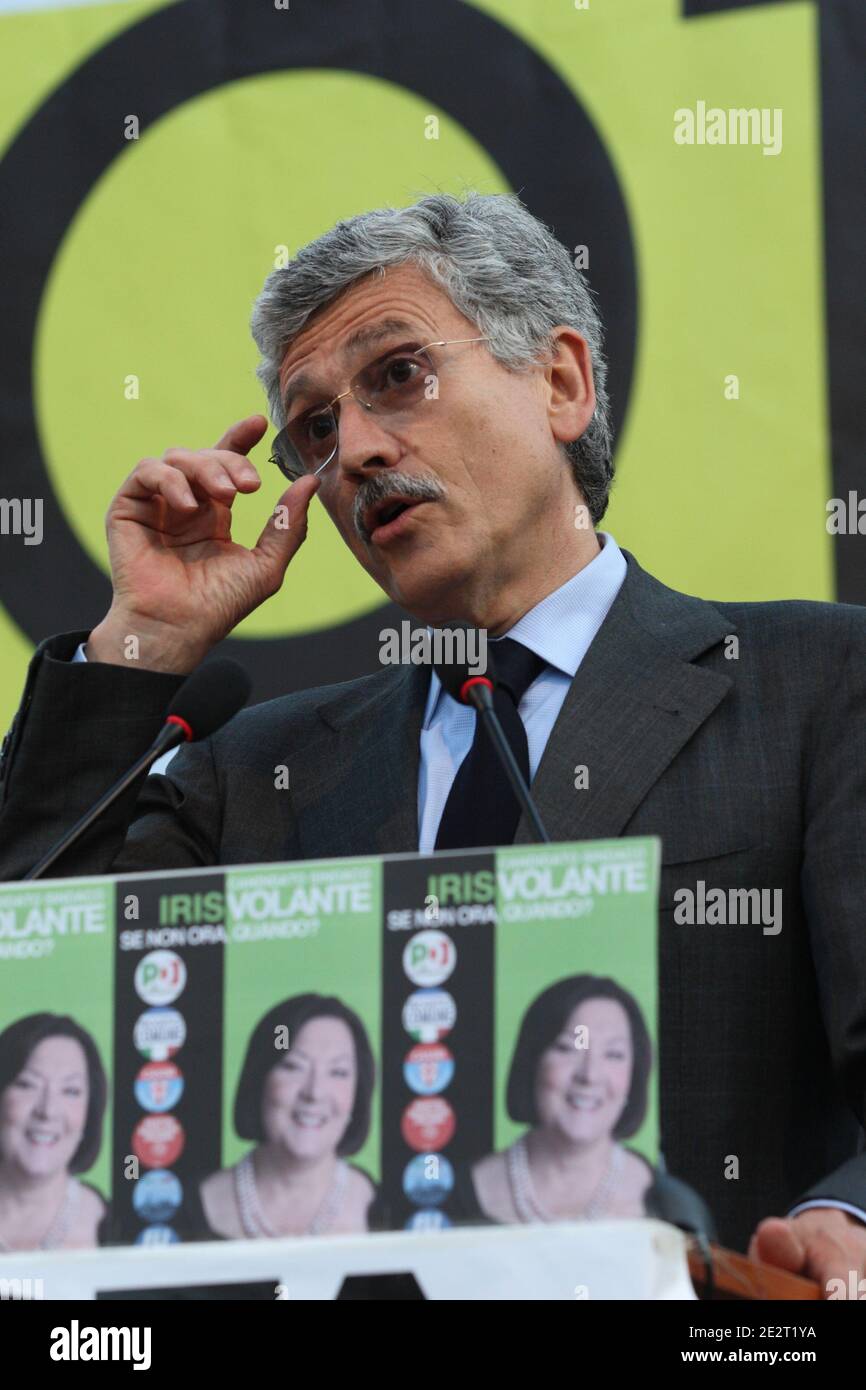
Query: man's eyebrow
(374, 333)
(368, 336)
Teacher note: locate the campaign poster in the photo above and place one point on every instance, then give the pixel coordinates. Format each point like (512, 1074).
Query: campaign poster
(302, 1052)
(333, 1047)
(56, 1063)
(519, 1027)
(576, 1021)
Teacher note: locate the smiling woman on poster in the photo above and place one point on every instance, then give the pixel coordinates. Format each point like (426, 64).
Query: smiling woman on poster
(304, 1097)
(52, 1099)
(578, 1080)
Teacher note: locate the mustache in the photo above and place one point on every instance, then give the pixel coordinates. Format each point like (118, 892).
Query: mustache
(412, 487)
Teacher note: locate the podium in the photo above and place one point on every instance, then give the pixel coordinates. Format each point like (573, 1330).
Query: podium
(576, 1262)
(584, 1261)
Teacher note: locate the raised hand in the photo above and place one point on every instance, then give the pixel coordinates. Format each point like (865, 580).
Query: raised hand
(181, 583)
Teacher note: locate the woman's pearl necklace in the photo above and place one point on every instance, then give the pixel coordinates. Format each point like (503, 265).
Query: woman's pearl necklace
(253, 1220)
(523, 1194)
(59, 1228)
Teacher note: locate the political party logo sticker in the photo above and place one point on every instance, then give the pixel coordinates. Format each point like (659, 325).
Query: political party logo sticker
(159, 1086)
(428, 1123)
(157, 1196)
(430, 1219)
(160, 977)
(158, 1140)
(429, 1014)
(428, 1179)
(429, 957)
(157, 1235)
(159, 1033)
(428, 1068)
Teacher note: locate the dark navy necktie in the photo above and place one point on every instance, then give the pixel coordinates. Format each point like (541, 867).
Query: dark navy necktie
(481, 808)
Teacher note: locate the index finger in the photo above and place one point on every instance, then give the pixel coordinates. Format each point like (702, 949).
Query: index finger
(240, 437)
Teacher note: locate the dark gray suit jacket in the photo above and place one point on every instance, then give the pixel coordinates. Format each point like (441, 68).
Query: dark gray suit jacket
(750, 765)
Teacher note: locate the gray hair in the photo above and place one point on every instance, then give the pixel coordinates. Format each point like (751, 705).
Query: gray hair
(500, 267)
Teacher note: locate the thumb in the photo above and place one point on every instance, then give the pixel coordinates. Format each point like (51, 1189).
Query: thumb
(286, 528)
(775, 1242)
(241, 436)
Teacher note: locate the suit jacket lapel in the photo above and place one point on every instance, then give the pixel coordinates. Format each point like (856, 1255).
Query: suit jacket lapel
(356, 792)
(633, 704)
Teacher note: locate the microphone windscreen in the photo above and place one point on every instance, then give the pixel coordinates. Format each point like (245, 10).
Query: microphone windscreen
(672, 1200)
(211, 696)
(453, 668)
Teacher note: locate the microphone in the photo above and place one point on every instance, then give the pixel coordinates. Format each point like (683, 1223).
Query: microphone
(468, 687)
(208, 698)
(672, 1200)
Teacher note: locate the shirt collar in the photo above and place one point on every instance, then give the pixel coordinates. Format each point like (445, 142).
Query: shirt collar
(562, 626)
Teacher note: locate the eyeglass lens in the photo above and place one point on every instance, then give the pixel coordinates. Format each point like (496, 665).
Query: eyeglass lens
(392, 383)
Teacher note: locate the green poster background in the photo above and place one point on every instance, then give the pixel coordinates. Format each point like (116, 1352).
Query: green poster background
(341, 956)
(617, 937)
(74, 977)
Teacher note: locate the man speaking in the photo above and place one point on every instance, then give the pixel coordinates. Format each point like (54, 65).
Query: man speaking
(436, 376)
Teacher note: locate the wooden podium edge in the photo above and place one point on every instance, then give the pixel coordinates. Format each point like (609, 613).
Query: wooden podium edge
(735, 1276)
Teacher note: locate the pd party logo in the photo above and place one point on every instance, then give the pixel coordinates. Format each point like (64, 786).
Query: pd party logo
(159, 1033)
(159, 1086)
(428, 1068)
(429, 957)
(160, 977)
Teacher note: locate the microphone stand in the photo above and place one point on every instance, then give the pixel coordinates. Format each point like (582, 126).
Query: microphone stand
(479, 692)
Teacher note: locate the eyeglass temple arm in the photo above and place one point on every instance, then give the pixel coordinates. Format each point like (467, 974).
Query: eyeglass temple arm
(448, 342)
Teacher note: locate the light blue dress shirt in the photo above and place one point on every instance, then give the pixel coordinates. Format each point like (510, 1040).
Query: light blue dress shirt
(559, 629)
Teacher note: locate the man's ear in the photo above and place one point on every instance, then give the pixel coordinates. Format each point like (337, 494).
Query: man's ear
(570, 385)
